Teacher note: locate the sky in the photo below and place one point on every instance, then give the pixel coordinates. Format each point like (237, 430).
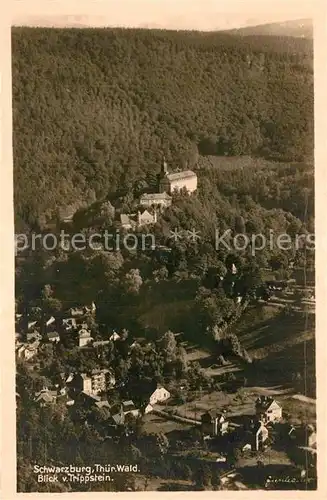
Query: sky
(169, 14)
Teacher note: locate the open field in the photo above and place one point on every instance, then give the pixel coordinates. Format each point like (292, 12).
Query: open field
(242, 403)
(153, 422)
(270, 456)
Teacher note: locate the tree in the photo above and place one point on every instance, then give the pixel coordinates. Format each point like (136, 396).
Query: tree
(202, 477)
(239, 224)
(168, 346)
(278, 262)
(162, 442)
(160, 274)
(52, 305)
(214, 276)
(132, 282)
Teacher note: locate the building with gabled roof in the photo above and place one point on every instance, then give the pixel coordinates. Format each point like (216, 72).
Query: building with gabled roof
(268, 409)
(156, 199)
(84, 337)
(125, 221)
(53, 337)
(170, 182)
(45, 397)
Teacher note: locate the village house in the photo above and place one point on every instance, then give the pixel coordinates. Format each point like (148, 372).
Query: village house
(146, 217)
(88, 399)
(159, 200)
(143, 217)
(76, 312)
(214, 423)
(128, 407)
(114, 337)
(69, 377)
(31, 326)
(117, 416)
(119, 412)
(159, 395)
(268, 409)
(80, 382)
(256, 436)
(125, 222)
(98, 381)
(53, 337)
(45, 397)
(50, 321)
(91, 309)
(69, 324)
(170, 182)
(27, 351)
(84, 337)
(102, 404)
(32, 336)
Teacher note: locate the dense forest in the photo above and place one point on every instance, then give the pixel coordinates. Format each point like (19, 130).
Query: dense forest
(95, 110)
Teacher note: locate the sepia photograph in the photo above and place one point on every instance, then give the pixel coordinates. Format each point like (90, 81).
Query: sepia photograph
(164, 220)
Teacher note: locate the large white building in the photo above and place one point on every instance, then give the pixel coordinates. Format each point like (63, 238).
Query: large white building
(156, 199)
(170, 182)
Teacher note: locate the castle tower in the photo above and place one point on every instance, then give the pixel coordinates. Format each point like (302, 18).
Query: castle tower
(164, 167)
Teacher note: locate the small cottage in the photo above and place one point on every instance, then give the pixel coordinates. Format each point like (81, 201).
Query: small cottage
(268, 409)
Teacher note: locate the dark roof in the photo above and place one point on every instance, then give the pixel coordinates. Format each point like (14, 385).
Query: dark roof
(102, 404)
(176, 176)
(118, 418)
(128, 405)
(155, 196)
(124, 219)
(91, 396)
(214, 413)
(52, 335)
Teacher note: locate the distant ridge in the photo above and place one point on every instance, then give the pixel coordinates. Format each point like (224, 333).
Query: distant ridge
(300, 28)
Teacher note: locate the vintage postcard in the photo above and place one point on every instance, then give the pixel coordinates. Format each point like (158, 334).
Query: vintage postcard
(164, 221)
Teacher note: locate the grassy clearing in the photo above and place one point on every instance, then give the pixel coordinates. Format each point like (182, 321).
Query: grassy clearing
(168, 316)
(242, 403)
(233, 403)
(269, 457)
(167, 305)
(153, 423)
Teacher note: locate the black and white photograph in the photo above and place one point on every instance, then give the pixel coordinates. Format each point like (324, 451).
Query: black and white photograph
(164, 220)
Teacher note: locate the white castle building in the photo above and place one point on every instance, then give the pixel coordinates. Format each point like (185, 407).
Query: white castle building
(169, 182)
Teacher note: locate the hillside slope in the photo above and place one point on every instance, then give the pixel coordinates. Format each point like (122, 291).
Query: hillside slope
(302, 28)
(94, 110)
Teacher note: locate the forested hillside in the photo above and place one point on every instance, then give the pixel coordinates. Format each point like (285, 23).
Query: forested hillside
(299, 28)
(94, 110)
